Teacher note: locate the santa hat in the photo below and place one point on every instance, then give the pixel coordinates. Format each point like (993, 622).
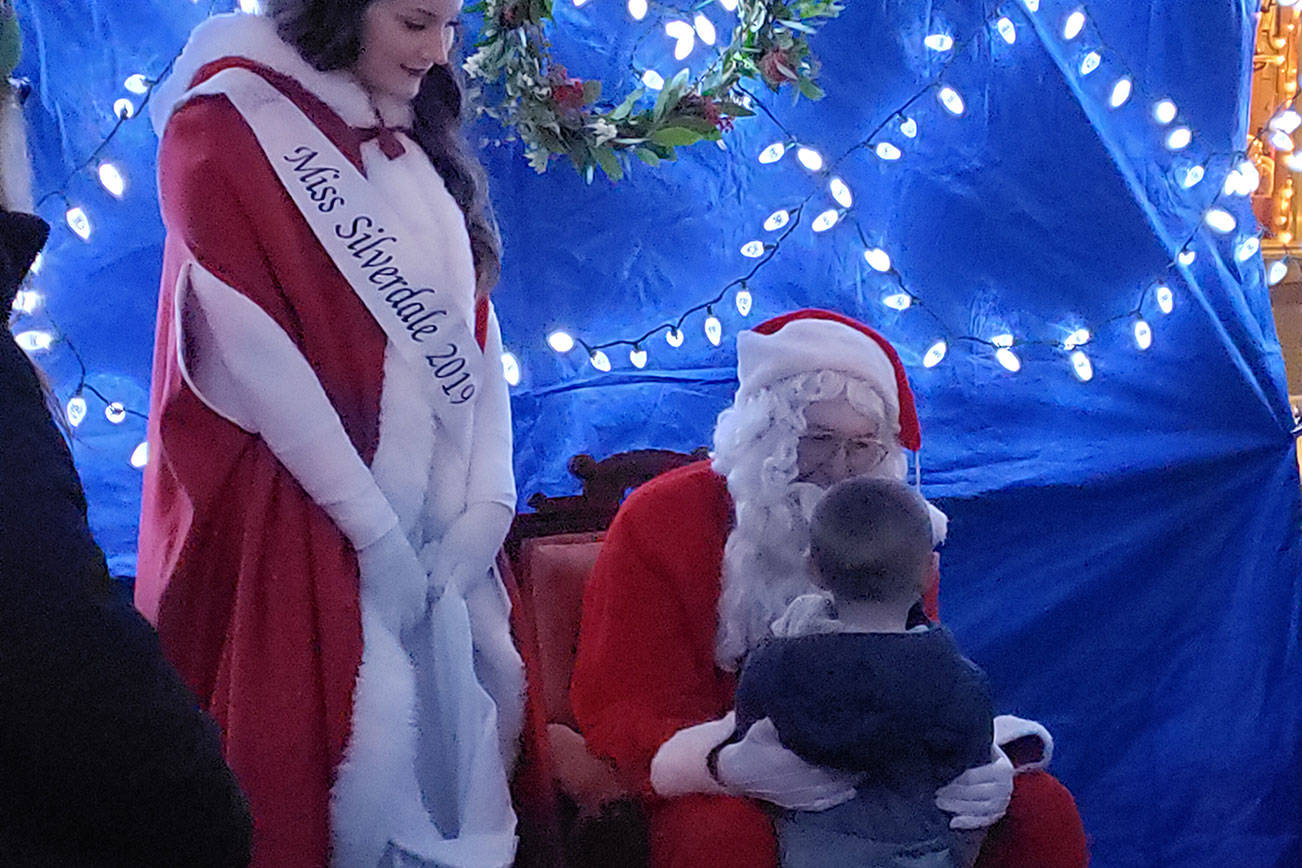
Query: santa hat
(820, 340)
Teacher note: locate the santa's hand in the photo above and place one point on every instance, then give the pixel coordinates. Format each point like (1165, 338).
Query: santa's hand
(979, 797)
(759, 766)
(392, 579)
(679, 766)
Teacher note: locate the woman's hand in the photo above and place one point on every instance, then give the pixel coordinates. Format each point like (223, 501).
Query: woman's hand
(393, 580)
(469, 548)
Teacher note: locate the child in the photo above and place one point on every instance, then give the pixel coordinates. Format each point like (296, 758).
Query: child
(848, 683)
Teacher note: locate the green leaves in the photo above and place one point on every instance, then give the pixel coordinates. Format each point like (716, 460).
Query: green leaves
(521, 86)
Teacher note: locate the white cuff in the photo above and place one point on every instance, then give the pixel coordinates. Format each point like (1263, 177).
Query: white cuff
(1009, 729)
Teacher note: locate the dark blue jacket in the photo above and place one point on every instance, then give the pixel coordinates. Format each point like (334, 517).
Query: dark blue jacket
(905, 709)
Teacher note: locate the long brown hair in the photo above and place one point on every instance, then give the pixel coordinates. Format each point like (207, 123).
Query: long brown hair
(328, 34)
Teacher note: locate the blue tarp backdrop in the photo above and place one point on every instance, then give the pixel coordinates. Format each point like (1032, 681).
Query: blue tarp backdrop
(1124, 557)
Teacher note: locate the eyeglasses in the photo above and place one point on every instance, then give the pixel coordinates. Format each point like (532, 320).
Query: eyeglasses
(861, 454)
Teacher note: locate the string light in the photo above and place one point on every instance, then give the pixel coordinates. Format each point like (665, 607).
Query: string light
(653, 80)
(840, 192)
(1220, 220)
(1165, 299)
(111, 179)
(137, 84)
(26, 301)
(1186, 257)
(140, 456)
(898, 301)
(1078, 338)
(704, 28)
(124, 109)
(887, 151)
(1179, 139)
(115, 413)
(674, 337)
(1008, 359)
(1277, 271)
(826, 220)
(878, 259)
(951, 100)
(777, 220)
(511, 369)
(560, 341)
(34, 341)
(76, 410)
(1007, 30)
(909, 127)
(1164, 112)
(684, 37)
(637, 9)
(772, 153)
(752, 249)
(1121, 92)
(1247, 248)
(78, 222)
(1143, 334)
(1081, 366)
(1090, 62)
(939, 42)
(1193, 176)
(637, 356)
(743, 301)
(1074, 24)
(935, 354)
(810, 159)
(713, 329)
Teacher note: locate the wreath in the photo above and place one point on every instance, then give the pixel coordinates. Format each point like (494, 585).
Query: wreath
(555, 114)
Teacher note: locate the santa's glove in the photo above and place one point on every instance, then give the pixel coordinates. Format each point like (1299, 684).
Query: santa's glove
(679, 766)
(467, 551)
(759, 767)
(393, 581)
(979, 797)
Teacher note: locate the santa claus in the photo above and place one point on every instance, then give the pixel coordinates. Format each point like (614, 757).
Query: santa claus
(700, 562)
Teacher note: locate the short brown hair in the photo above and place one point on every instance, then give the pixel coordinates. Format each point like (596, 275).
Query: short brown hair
(870, 539)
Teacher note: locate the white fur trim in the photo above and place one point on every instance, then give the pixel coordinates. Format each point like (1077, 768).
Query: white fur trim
(806, 345)
(1009, 728)
(939, 524)
(254, 37)
(15, 166)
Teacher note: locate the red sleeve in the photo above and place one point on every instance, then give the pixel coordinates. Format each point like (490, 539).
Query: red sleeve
(645, 665)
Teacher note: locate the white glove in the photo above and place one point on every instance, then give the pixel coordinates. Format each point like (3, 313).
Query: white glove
(979, 797)
(679, 768)
(393, 581)
(760, 767)
(469, 548)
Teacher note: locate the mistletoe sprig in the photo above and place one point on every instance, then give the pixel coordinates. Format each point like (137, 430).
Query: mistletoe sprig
(556, 114)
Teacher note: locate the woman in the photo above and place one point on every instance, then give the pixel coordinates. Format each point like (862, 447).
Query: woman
(330, 471)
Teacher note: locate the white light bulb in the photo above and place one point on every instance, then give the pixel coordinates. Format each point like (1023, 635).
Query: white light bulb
(124, 108)
(744, 302)
(685, 41)
(840, 192)
(772, 153)
(1186, 257)
(637, 356)
(1003, 340)
(1233, 183)
(111, 179)
(76, 410)
(1074, 24)
(252, 7)
(752, 249)
(777, 220)
(1278, 271)
(78, 222)
(1121, 92)
(1179, 139)
(26, 301)
(1288, 121)
(136, 84)
(1143, 335)
(1080, 364)
(1090, 62)
(1251, 177)
(1007, 30)
(910, 128)
(599, 360)
(935, 353)
(939, 42)
(674, 337)
(511, 369)
(730, 5)
(898, 301)
(653, 80)
(1281, 141)
(1008, 359)
(951, 100)
(1078, 338)
(34, 341)
(115, 413)
(1165, 299)
(878, 259)
(1031, 5)
(704, 28)
(826, 220)
(713, 329)
(1164, 112)
(810, 159)
(1247, 248)
(887, 151)
(1192, 176)
(560, 341)
(637, 9)
(1220, 220)
(140, 456)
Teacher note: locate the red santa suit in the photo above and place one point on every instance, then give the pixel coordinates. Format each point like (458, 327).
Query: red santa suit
(301, 486)
(647, 667)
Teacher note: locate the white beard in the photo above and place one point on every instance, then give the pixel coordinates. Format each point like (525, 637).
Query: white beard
(765, 560)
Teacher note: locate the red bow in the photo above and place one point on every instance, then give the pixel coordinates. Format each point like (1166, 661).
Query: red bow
(390, 146)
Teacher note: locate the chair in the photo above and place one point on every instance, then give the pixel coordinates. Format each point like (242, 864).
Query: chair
(551, 552)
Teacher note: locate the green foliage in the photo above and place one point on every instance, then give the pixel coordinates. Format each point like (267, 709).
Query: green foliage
(555, 115)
